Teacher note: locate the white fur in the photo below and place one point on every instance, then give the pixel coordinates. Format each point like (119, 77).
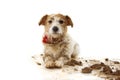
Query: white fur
(55, 23)
(60, 47)
(68, 47)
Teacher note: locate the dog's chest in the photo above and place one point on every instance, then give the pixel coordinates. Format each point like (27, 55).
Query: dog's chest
(56, 49)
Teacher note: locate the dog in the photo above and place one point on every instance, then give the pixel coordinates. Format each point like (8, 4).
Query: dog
(59, 47)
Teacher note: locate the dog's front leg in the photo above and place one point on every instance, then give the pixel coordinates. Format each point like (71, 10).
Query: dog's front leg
(61, 61)
(49, 62)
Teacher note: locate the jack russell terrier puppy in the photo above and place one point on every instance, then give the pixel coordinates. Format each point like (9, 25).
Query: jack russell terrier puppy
(59, 48)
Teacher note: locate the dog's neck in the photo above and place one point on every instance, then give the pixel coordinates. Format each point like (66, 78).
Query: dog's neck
(51, 40)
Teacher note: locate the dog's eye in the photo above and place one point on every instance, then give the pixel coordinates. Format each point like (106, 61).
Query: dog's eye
(50, 21)
(61, 21)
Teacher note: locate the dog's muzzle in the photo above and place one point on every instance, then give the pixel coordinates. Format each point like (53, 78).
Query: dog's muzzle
(55, 29)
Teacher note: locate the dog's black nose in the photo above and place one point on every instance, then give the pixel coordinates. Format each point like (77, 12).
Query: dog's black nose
(55, 28)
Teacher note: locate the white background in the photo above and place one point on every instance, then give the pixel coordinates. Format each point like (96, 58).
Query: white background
(96, 29)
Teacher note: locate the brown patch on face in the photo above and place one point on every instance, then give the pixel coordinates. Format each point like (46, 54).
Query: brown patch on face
(64, 20)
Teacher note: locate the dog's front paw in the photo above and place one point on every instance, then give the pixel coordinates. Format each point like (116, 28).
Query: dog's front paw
(49, 64)
(59, 64)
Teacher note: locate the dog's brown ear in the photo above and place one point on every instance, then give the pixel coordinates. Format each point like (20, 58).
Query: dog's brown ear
(69, 21)
(43, 20)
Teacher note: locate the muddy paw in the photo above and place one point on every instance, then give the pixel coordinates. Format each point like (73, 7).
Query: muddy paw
(49, 64)
(59, 64)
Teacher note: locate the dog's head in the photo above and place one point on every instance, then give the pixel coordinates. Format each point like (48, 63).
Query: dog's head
(56, 24)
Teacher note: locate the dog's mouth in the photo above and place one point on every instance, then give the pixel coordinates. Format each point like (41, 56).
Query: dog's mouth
(55, 35)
